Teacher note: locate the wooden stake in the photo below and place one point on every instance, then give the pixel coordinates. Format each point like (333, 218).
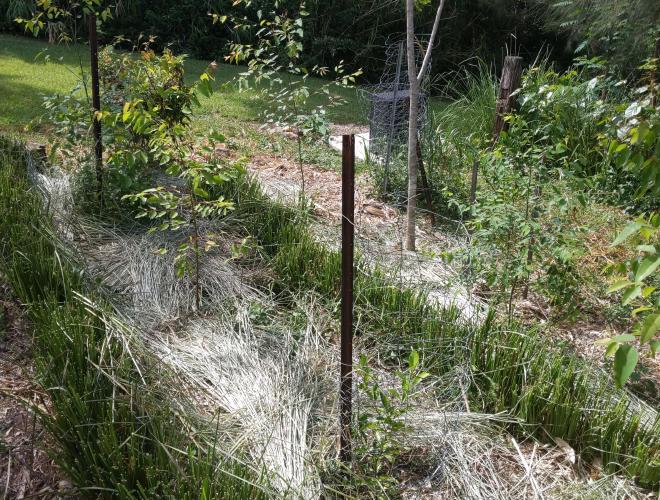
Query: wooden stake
(510, 82)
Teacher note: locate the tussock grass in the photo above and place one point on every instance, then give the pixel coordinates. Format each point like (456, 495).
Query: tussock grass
(115, 438)
(277, 387)
(471, 112)
(267, 390)
(143, 283)
(556, 394)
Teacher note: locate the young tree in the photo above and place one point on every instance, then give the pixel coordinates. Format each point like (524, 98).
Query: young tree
(49, 13)
(415, 78)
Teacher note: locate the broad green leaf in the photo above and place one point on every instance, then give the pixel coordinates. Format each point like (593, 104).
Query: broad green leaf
(413, 360)
(201, 193)
(627, 232)
(641, 309)
(612, 347)
(625, 361)
(619, 285)
(623, 338)
(649, 327)
(647, 267)
(647, 249)
(631, 294)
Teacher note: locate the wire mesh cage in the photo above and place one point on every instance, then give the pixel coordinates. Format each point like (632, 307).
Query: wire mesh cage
(389, 105)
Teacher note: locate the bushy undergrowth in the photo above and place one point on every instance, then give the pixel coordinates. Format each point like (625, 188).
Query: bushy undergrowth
(579, 143)
(514, 369)
(115, 438)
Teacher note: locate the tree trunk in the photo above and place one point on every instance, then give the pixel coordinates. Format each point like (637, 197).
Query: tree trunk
(415, 83)
(96, 106)
(412, 127)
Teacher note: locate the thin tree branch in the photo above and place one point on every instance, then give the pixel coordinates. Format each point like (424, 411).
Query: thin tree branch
(429, 49)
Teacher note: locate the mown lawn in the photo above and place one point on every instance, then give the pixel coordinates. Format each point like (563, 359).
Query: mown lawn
(31, 69)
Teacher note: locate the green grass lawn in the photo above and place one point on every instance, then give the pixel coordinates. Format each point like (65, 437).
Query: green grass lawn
(30, 69)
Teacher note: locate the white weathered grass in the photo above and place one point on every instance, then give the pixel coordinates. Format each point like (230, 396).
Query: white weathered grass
(146, 283)
(469, 456)
(277, 386)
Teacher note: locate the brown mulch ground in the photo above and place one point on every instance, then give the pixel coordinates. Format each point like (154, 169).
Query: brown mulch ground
(26, 470)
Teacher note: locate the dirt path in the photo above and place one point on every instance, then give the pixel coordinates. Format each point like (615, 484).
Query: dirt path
(26, 470)
(378, 226)
(379, 230)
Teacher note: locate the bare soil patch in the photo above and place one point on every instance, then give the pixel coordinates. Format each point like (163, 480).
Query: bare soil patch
(26, 470)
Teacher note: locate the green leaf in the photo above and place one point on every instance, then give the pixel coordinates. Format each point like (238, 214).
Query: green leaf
(385, 401)
(649, 327)
(413, 360)
(623, 338)
(612, 347)
(201, 193)
(627, 232)
(647, 249)
(647, 267)
(655, 346)
(631, 294)
(619, 285)
(625, 361)
(641, 309)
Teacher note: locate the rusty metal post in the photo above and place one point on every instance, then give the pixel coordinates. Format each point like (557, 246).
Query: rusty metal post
(347, 255)
(96, 104)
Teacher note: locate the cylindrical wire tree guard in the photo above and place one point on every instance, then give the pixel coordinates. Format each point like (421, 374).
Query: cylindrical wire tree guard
(389, 106)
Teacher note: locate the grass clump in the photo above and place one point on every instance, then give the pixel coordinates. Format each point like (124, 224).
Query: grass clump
(513, 369)
(116, 434)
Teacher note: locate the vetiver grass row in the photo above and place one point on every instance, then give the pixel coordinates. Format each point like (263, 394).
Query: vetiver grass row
(514, 369)
(115, 438)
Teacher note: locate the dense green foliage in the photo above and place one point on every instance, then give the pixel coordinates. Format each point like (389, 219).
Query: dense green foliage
(624, 32)
(355, 32)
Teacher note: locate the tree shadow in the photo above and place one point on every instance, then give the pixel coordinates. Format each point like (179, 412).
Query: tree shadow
(22, 100)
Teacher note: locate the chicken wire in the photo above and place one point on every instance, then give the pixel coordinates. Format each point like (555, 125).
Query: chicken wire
(389, 105)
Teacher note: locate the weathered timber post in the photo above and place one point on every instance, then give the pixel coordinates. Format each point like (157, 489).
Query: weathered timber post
(347, 256)
(509, 83)
(96, 104)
